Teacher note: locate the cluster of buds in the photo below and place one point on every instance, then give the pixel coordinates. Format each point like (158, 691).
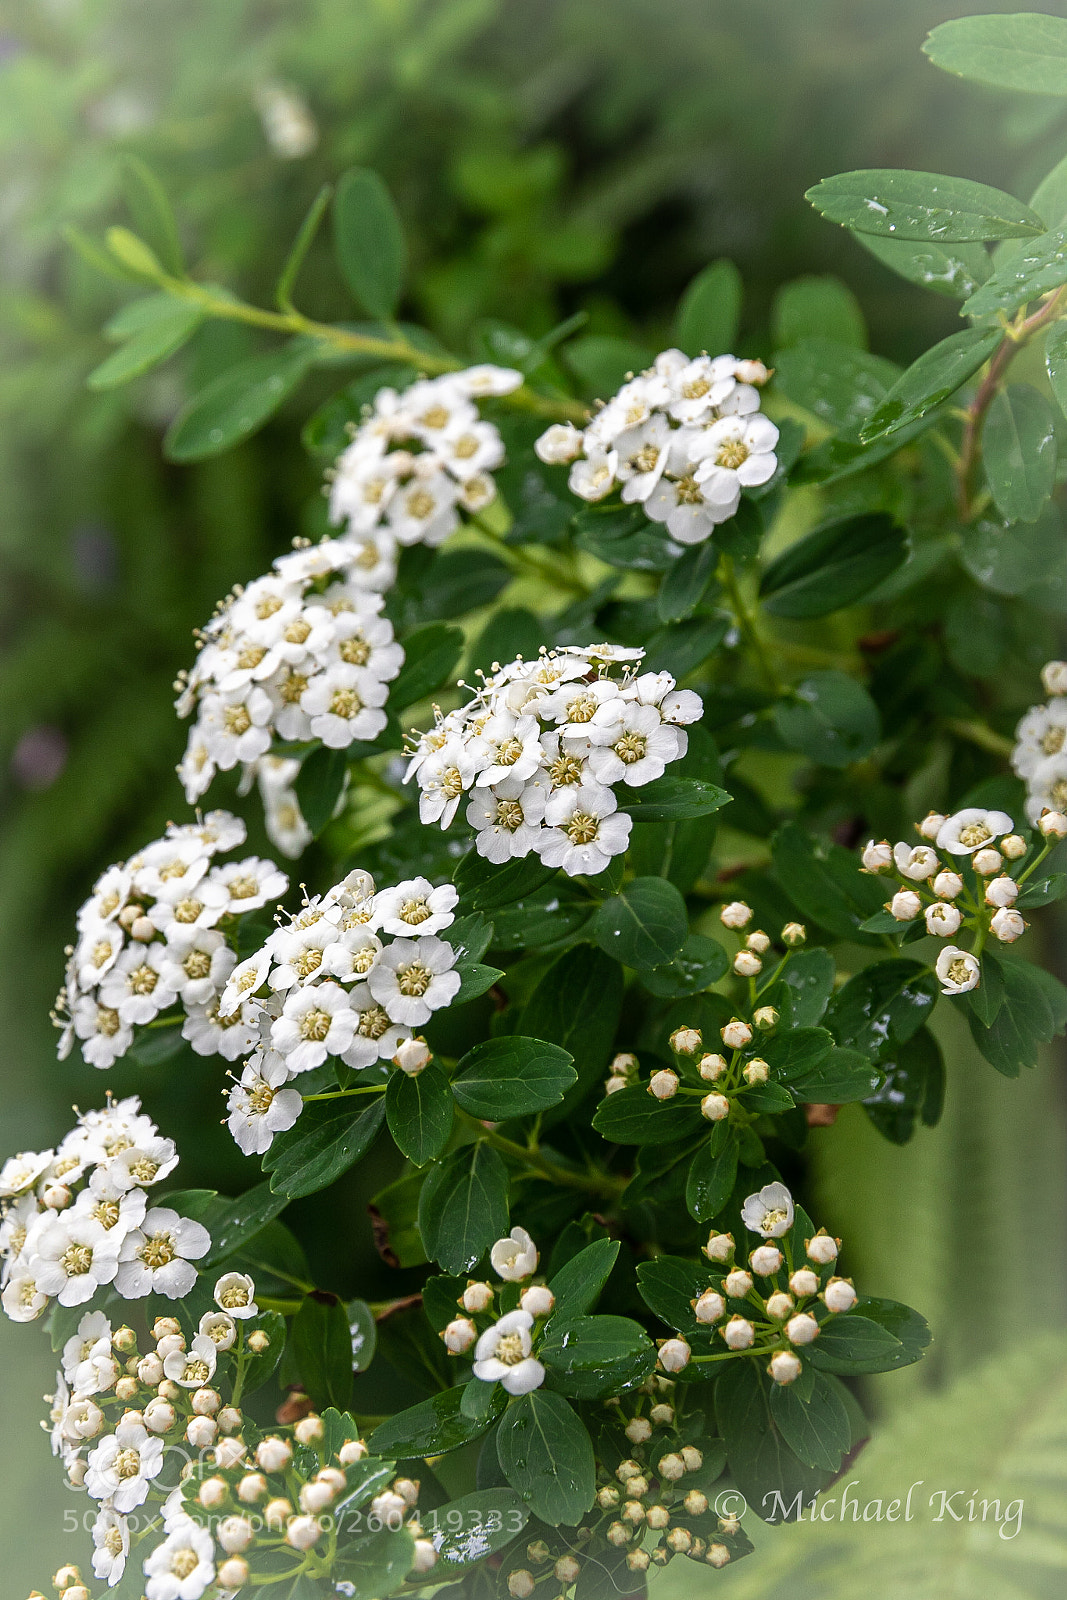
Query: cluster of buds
(966, 875)
(773, 1306)
(716, 1077)
(748, 962)
(501, 1346)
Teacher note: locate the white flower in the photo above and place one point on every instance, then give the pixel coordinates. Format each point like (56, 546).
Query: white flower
(156, 1258)
(1002, 891)
(642, 455)
(72, 1257)
(584, 830)
(344, 704)
(735, 453)
(245, 885)
(415, 908)
(968, 830)
(136, 986)
(916, 862)
(183, 1566)
(260, 1105)
(197, 963)
(414, 978)
(246, 977)
(1042, 733)
(86, 1351)
(22, 1172)
(103, 1034)
(235, 727)
(23, 1299)
(123, 1465)
(377, 1037)
(770, 1212)
(593, 477)
(634, 750)
(96, 952)
(1048, 788)
(148, 1160)
(958, 970)
(512, 748)
(515, 1257)
(194, 1367)
(1007, 925)
(506, 819)
(943, 920)
(502, 1355)
(948, 885)
(424, 510)
(559, 444)
(484, 378)
(235, 1293)
(877, 857)
(111, 1541)
(443, 777)
(220, 1328)
(315, 1022)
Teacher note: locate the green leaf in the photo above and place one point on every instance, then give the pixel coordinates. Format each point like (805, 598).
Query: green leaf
(853, 1344)
(138, 258)
(463, 1207)
(819, 308)
(547, 1457)
(1019, 451)
(165, 325)
(710, 310)
(363, 1331)
(485, 887)
(431, 654)
(419, 1113)
(1030, 271)
(260, 1364)
(153, 1048)
(325, 1142)
(952, 270)
(793, 1053)
(810, 976)
(633, 1116)
(832, 720)
(837, 383)
(589, 1357)
(578, 1282)
(432, 1428)
(369, 240)
(473, 1526)
(938, 373)
(283, 292)
(699, 963)
(240, 1222)
(843, 1076)
(669, 1284)
(816, 1429)
(835, 566)
(913, 1090)
(767, 1472)
(475, 979)
(152, 214)
(825, 882)
(1042, 892)
(603, 361)
(320, 784)
(237, 403)
(541, 918)
(512, 1077)
(1030, 1015)
(670, 799)
(1056, 362)
(686, 582)
(645, 924)
(577, 1005)
(922, 205)
(882, 1006)
(374, 1563)
(321, 1346)
(1026, 51)
(470, 937)
(685, 646)
(712, 1174)
(623, 537)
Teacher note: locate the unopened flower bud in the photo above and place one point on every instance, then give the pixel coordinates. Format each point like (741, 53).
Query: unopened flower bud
(159, 1416)
(947, 885)
(758, 941)
(233, 1573)
(695, 1502)
(671, 1467)
(150, 1370)
(567, 1569)
(720, 1246)
(613, 1084)
(206, 1402)
(717, 1555)
(711, 1067)
(658, 1517)
(627, 1470)
(804, 1281)
(228, 1452)
(715, 1107)
(738, 1333)
(66, 1576)
(633, 1511)
(618, 1534)
(1053, 825)
(164, 1326)
(765, 1018)
(143, 929)
(661, 1415)
(538, 1551)
(459, 1336)
(686, 1041)
(538, 1300)
(839, 1295)
(351, 1451)
(521, 1583)
(756, 1071)
(738, 1283)
(931, 824)
(736, 1034)
(303, 1533)
(1054, 677)
(822, 1249)
(78, 1591)
(709, 1307)
(1007, 925)
(747, 964)
(124, 1339)
(477, 1296)
(765, 1259)
(274, 1454)
(663, 1085)
(1002, 891)
(680, 1540)
(229, 1419)
(608, 1497)
(412, 1055)
(258, 1341)
(213, 1492)
(674, 1355)
(1014, 847)
(779, 1306)
(784, 1367)
(986, 862)
(943, 920)
(905, 905)
(692, 1457)
(802, 1328)
(624, 1065)
(235, 1534)
(170, 1344)
(794, 933)
(315, 1497)
(201, 1432)
(638, 1430)
(276, 1513)
(252, 1487)
(309, 1430)
(736, 914)
(878, 857)
(638, 1560)
(127, 1389)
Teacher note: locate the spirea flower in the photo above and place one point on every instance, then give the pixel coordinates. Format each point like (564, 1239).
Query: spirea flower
(958, 970)
(545, 750)
(682, 439)
(503, 1355)
(769, 1212)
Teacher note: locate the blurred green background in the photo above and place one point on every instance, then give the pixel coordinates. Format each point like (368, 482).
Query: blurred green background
(547, 155)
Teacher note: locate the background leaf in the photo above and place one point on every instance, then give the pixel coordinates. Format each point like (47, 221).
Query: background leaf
(369, 240)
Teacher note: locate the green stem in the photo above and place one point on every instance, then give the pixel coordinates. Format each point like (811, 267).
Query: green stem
(345, 1094)
(747, 624)
(978, 734)
(601, 1183)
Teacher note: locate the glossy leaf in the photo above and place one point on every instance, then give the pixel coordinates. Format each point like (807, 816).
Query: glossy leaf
(712, 1173)
(463, 1207)
(879, 1336)
(1056, 362)
(373, 1563)
(486, 887)
(815, 1428)
(817, 308)
(913, 1089)
(589, 1357)
(325, 1142)
(810, 976)
(577, 1005)
(644, 924)
(633, 1116)
(1019, 451)
(774, 1481)
(922, 205)
(237, 403)
(431, 654)
(938, 373)
(241, 1221)
(432, 1428)
(670, 799)
(321, 1347)
(1033, 1011)
(843, 1076)
(825, 882)
(699, 963)
(473, 1526)
(511, 1077)
(369, 241)
(686, 582)
(953, 270)
(419, 1112)
(547, 1457)
(834, 567)
(882, 1005)
(578, 1282)
(832, 720)
(1030, 271)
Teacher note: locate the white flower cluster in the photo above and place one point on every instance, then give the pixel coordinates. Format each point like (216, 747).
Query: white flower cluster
(682, 439)
(78, 1217)
(149, 938)
(419, 458)
(350, 976)
(503, 1349)
(1040, 753)
(539, 748)
(783, 1312)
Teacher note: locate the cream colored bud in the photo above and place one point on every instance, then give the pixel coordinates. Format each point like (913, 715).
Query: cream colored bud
(735, 914)
(1002, 891)
(351, 1451)
(233, 1573)
(164, 1326)
(765, 1018)
(695, 1502)
(143, 929)
(717, 1555)
(521, 1583)
(822, 1249)
(619, 1534)
(538, 1300)
(736, 1034)
(661, 1415)
(150, 1370)
(663, 1085)
(538, 1551)
(686, 1041)
(658, 1517)
(235, 1534)
(459, 1336)
(905, 905)
(77, 1592)
(671, 1467)
(794, 933)
(878, 857)
(680, 1540)
(315, 1497)
(720, 1246)
(228, 1452)
(303, 1533)
(943, 920)
(758, 941)
(1007, 925)
(567, 1569)
(756, 1071)
(638, 1430)
(159, 1416)
(1013, 847)
(425, 1555)
(624, 1065)
(608, 1497)
(127, 1389)
(711, 1067)
(124, 1339)
(804, 1281)
(627, 1470)
(252, 1487)
(674, 1355)
(931, 824)
(709, 1307)
(412, 1055)
(331, 1475)
(636, 1488)
(779, 1306)
(213, 1492)
(987, 862)
(839, 1295)
(738, 1333)
(1053, 825)
(201, 1432)
(206, 1402)
(65, 1576)
(309, 1430)
(477, 1296)
(638, 1560)
(258, 1341)
(170, 1344)
(947, 884)
(802, 1328)
(747, 964)
(408, 1490)
(738, 1283)
(274, 1454)
(715, 1107)
(76, 1472)
(229, 1419)
(633, 1512)
(276, 1513)
(613, 1084)
(784, 1367)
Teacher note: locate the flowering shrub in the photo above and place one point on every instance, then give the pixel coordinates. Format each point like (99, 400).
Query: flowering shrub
(588, 1146)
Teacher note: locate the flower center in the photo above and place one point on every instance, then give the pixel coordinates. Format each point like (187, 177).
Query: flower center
(1052, 741)
(297, 631)
(315, 1025)
(158, 1251)
(688, 491)
(345, 703)
(260, 1097)
(451, 783)
(250, 657)
(731, 453)
(582, 709)
(268, 606)
(974, 834)
(414, 979)
(582, 828)
(1058, 794)
(958, 970)
(695, 389)
(435, 417)
(101, 952)
(143, 979)
(774, 1219)
(144, 1169)
(242, 888)
(77, 1260)
(292, 687)
(644, 460)
(355, 650)
(373, 1023)
(113, 1542)
(509, 752)
(510, 1350)
(197, 964)
(566, 769)
(237, 720)
(196, 1370)
(415, 911)
(127, 1463)
(108, 904)
(631, 747)
(235, 1295)
(188, 910)
(106, 1212)
(421, 504)
(509, 815)
(307, 962)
